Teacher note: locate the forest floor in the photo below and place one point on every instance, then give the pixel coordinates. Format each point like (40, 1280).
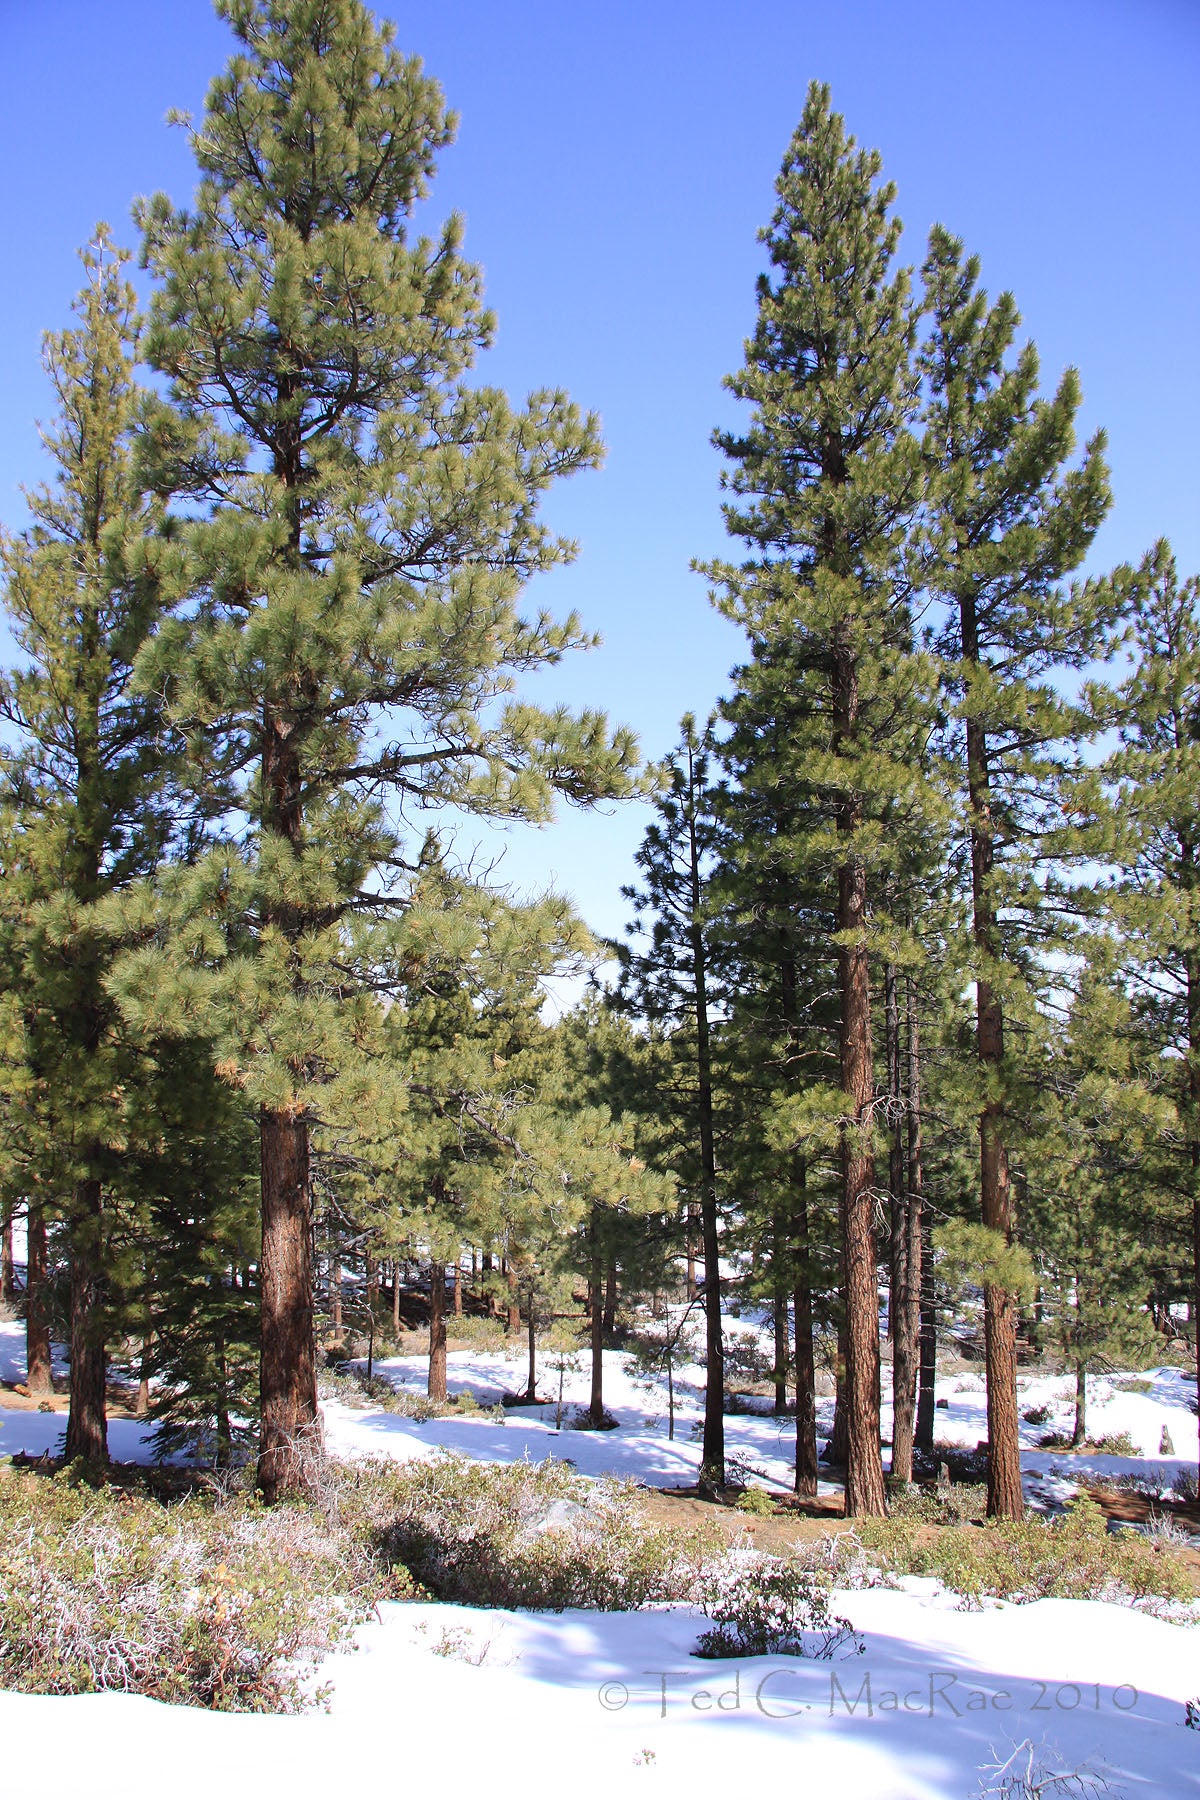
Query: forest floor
(944, 1690)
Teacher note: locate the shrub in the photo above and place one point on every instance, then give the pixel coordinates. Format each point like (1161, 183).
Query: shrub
(211, 1601)
(1074, 1557)
(771, 1606)
(352, 1387)
(1036, 1415)
(1183, 1487)
(581, 1420)
(521, 1534)
(758, 1502)
(477, 1333)
(746, 1360)
(966, 1500)
(1115, 1444)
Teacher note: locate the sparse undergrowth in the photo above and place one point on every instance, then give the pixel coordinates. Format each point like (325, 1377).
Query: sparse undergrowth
(209, 1600)
(519, 1534)
(1074, 1557)
(1114, 1444)
(772, 1606)
(354, 1388)
(202, 1596)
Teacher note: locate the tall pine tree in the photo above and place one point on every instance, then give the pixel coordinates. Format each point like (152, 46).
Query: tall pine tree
(363, 519)
(825, 481)
(1009, 519)
(88, 801)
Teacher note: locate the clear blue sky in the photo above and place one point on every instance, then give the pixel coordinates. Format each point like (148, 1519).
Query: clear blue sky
(614, 163)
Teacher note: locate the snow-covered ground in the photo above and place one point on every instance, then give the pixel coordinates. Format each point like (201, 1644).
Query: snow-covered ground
(585, 1702)
(586, 1699)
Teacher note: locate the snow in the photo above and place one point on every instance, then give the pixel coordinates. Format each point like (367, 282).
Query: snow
(597, 1698)
(640, 1447)
(939, 1693)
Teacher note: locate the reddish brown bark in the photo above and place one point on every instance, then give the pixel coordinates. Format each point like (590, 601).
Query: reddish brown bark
(864, 1467)
(779, 1310)
(38, 1378)
(610, 1301)
(891, 1018)
(458, 1297)
(8, 1283)
(927, 1353)
(436, 1386)
(906, 1265)
(291, 1451)
(143, 1393)
(87, 1421)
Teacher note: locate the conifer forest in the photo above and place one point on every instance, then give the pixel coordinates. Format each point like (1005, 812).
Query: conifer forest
(382, 1237)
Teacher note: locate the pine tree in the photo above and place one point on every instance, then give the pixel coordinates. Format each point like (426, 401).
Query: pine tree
(1008, 520)
(669, 980)
(1091, 1142)
(87, 799)
(826, 480)
(1151, 830)
(362, 520)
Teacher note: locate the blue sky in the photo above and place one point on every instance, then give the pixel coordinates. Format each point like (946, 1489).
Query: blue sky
(614, 163)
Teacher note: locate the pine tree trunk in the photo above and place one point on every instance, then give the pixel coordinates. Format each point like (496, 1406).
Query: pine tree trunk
(1005, 1498)
(87, 1421)
(396, 1298)
(610, 1301)
(864, 1467)
(436, 1386)
(712, 1458)
(291, 1450)
(8, 1280)
(143, 1393)
(596, 1321)
(860, 1267)
(806, 1372)
(458, 1296)
(337, 1296)
(927, 1372)
(782, 1347)
(38, 1379)
(896, 1239)
(906, 1279)
(1192, 978)
(514, 1304)
(1080, 1431)
(531, 1375)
